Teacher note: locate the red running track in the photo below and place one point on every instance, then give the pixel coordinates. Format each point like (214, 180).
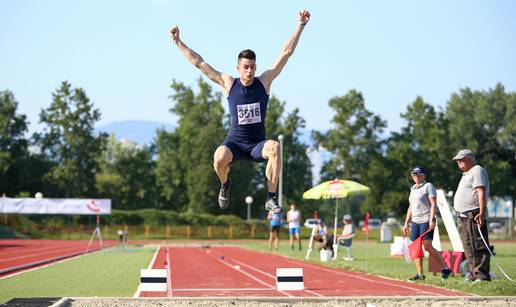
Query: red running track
(20, 255)
(237, 272)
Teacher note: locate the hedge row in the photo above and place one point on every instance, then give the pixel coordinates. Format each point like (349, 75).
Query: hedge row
(154, 217)
(150, 217)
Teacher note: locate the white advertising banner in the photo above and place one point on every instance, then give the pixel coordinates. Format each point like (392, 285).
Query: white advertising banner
(55, 206)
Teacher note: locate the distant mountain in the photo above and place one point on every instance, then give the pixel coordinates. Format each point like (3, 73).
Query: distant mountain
(140, 131)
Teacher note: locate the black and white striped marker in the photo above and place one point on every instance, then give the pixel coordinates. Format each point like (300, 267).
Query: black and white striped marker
(153, 280)
(289, 279)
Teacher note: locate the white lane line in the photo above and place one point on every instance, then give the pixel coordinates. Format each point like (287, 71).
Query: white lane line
(151, 264)
(138, 291)
(222, 289)
(169, 274)
(362, 277)
(250, 276)
(271, 276)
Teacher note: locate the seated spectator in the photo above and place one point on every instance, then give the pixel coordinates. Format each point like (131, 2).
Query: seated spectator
(323, 238)
(346, 238)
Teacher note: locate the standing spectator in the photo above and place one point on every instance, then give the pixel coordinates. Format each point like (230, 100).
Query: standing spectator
(293, 219)
(274, 229)
(126, 235)
(470, 204)
(421, 212)
(120, 233)
(346, 238)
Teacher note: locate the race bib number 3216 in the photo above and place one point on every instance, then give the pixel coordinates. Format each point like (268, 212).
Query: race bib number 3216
(249, 113)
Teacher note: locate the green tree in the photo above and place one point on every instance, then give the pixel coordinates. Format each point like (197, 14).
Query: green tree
(355, 143)
(185, 156)
(127, 175)
(355, 139)
(13, 144)
(69, 141)
(483, 121)
(170, 172)
(422, 141)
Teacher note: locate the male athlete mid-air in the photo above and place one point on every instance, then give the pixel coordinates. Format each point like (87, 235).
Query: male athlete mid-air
(247, 97)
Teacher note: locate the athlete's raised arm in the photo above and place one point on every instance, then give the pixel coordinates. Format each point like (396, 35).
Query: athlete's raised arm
(193, 57)
(270, 74)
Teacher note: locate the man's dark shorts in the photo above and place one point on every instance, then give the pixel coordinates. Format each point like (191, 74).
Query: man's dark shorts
(274, 228)
(244, 150)
(345, 242)
(417, 229)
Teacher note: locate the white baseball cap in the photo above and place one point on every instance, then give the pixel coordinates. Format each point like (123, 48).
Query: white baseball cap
(463, 153)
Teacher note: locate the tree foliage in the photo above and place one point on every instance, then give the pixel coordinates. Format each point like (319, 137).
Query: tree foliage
(355, 143)
(355, 139)
(482, 121)
(70, 143)
(127, 175)
(13, 145)
(176, 173)
(185, 156)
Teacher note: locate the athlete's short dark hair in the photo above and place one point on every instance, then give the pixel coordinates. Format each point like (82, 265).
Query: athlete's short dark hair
(247, 54)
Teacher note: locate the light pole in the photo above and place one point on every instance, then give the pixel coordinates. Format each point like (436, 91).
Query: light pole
(248, 201)
(280, 192)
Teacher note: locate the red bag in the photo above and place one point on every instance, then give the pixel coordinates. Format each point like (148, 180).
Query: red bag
(416, 247)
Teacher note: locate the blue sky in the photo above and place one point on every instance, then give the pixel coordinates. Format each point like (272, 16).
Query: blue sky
(121, 54)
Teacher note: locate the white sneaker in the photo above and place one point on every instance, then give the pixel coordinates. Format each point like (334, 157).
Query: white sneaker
(272, 204)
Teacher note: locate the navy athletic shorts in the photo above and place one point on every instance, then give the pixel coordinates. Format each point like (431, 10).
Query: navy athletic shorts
(245, 151)
(418, 229)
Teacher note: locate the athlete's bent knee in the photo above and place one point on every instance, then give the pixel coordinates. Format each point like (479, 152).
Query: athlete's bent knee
(221, 158)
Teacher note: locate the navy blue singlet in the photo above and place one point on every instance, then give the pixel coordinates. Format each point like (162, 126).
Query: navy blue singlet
(248, 107)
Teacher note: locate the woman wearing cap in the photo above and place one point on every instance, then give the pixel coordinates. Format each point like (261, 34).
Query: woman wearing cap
(346, 238)
(421, 212)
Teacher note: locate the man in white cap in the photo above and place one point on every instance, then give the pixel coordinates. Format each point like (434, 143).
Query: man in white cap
(470, 203)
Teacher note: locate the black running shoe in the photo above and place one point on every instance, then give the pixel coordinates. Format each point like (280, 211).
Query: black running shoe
(417, 278)
(224, 194)
(445, 273)
(272, 204)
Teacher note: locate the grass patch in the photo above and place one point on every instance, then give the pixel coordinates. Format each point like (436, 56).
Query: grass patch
(374, 258)
(111, 274)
